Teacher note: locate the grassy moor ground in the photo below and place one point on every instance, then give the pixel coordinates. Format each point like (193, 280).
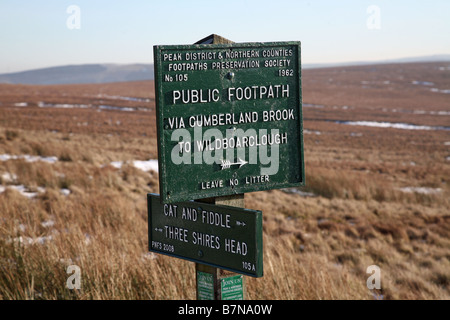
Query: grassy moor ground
(75, 171)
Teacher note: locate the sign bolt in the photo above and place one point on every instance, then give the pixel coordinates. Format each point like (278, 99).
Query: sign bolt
(200, 253)
(230, 75)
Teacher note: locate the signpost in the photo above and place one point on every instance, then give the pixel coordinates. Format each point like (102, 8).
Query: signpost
(229, 118)
(220, 236)
(229, 121)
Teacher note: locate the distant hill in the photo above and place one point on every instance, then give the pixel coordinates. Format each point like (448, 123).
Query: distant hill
(87, 73)
(103, 73)
(434, 58)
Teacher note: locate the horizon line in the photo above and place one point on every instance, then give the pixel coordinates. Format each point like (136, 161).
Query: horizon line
(445, 56)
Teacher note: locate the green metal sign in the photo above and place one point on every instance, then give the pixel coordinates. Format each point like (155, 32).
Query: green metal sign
(220, 236)
(229, 119)
(205, 286)
(232, 288)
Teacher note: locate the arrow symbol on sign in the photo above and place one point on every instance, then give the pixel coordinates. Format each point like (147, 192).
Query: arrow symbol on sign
(239, 223)
(159, 229)
(226, 164)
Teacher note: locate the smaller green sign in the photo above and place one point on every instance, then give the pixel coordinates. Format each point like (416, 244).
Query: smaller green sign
(205, 286)
(232, 288)
(224, 237)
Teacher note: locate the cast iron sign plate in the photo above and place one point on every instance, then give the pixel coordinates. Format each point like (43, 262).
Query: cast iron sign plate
(221, 236)
(229, 119)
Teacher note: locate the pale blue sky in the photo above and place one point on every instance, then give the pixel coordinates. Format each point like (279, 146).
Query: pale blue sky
(34, 34)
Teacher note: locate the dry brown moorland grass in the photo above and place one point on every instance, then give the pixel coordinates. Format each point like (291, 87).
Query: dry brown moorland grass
(360, 208)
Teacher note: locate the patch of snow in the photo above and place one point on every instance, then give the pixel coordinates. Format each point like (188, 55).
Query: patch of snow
(28, 158)
(310, 105)
(103, 107)
(146, 165)
(423, 83)
(30, 241)
(306, 131)
(299, 192)
(8, 177)
(65, 191)
(23, 190)
(66, 261)
(439, 113)
(5, 157)
(62, 105)
(421, 190)
(149, 256)
(117, 164)
(124, 98)
(447, 91)
(139, 164)
(48, 223)
(39, 158)
(404, 126)
(43, 240)
(87, 238)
